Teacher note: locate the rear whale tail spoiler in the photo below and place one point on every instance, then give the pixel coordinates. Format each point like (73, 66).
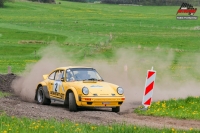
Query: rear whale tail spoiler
(45, 77)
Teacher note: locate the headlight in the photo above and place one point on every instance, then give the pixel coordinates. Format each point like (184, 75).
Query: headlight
(120, 90)
(85, 90)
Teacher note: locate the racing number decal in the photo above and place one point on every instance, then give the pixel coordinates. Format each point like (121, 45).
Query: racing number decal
(56, 90)
(56, 86)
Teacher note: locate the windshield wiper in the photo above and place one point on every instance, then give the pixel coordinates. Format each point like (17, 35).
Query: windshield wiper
(92, 79)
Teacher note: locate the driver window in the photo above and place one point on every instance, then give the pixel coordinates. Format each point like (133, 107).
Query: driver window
(59, 75)
(52, 76)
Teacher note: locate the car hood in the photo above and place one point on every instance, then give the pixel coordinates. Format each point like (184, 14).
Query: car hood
(99, 88)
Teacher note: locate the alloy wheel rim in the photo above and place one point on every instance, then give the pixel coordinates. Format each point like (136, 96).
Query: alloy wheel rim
(40, 96)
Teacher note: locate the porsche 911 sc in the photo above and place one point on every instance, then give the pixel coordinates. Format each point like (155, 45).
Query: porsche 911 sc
(79, 87)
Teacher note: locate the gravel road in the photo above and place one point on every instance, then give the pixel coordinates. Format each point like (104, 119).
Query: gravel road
(16, 107)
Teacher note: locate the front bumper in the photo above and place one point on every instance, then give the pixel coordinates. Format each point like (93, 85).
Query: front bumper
(101, 101)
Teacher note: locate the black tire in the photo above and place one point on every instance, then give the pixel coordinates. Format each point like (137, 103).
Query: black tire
(72, 102)
(116, 109)
(66, 102)
(41, 99)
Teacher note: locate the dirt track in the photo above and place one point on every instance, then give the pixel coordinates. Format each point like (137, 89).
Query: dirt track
(5, 82)
(14, 106)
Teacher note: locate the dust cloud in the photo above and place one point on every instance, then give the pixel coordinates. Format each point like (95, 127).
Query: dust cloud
(128, 69)
(25, 85)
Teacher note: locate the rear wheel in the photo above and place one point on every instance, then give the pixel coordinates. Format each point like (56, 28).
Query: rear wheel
(72, 102)
(116, 109)
(41, 99)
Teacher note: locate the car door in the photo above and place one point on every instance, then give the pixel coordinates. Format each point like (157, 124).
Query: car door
(57, 88)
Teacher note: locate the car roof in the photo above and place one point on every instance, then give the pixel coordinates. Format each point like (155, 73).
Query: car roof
(68, 67)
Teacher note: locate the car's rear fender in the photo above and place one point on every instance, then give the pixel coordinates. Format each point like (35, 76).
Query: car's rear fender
(45, 89)
(45, 76)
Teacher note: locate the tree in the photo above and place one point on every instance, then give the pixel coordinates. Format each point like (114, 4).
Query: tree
(153, 2)
(1, 3)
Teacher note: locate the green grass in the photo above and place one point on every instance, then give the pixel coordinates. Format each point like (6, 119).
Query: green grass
(23, 125)
(95, 29)
(188, 108)
(3, 94)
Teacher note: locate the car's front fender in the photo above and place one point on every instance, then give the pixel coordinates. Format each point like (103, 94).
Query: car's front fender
(75, 94)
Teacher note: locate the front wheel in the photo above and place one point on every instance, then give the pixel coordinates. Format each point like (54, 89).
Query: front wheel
(116, 109)
(41, 99)
(72, 102)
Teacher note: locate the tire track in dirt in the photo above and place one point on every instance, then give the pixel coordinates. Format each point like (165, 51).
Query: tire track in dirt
(15, 107)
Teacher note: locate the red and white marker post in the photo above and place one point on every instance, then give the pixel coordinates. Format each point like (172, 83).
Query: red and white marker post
(149, 85)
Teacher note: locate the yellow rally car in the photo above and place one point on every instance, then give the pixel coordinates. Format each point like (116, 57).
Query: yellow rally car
(79, 87)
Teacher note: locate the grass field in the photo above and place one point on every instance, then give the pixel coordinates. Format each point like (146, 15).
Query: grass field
(177, 108)
(24, 125)
(3, 94)
(91, 31)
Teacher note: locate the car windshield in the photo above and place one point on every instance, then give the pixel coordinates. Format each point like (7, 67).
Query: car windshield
(79, 74)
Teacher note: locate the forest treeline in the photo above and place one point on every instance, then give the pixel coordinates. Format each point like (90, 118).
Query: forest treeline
(153, 2)
(146, 2)
(136, 2)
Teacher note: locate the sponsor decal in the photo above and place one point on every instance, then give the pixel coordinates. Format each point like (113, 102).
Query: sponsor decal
(57, 94)
(96, 86)
(187, 9)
